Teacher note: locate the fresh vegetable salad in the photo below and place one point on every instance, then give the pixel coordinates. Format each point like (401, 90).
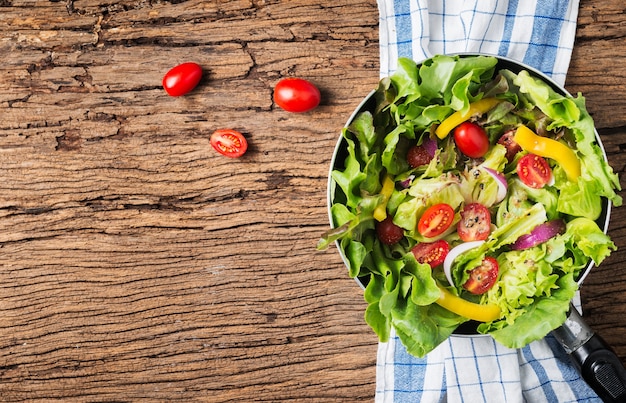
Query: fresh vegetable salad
(469, 193)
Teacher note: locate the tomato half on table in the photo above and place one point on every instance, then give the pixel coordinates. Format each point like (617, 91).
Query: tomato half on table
(435, 220)
(431, 253)
(534, 171)
(482, 277)
(182, 79)
(475, 223)
(229, 143)
(471, 139)
(296, 95)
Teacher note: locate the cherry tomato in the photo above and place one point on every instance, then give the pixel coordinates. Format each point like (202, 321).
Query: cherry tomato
(418, 156)
(388, 232)
(431, 253)
(296, 95)
(512, 148)
(475, 223)
(229, 142)
(435, 220)
(182, 79)
(471, 139)
(534, 171)
(483, 277)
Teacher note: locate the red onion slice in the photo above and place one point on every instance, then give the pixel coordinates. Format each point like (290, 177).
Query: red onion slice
(454, 253)
(407, 182)
(501, 181)
(430, 146)
(540, 234)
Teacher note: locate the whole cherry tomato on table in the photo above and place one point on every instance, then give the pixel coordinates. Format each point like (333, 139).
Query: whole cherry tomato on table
(229, 143)
(471, 139)
(182, 79)
(296, 95)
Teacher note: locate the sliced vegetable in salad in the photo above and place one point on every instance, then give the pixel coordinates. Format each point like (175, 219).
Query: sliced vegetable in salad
(465, 191)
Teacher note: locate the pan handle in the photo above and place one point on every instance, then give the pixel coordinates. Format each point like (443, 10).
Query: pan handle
(598, 364)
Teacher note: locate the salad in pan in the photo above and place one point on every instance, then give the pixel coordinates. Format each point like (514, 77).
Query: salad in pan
(463, 191)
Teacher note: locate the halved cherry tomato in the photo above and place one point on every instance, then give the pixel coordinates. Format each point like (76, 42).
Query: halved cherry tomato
(296, 95)
(182, 79)
(483, 277)
(435, 220)
(418, 156)
(534, 171)
(475, 223)
(431, 253)
(229, 142)
(388, 232)
(471, 139)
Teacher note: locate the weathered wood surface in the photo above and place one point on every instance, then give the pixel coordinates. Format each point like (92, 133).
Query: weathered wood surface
(137, 264)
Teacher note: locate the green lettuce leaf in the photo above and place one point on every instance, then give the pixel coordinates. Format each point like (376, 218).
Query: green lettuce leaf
(539, 319)
(584, 235)
(380, 323)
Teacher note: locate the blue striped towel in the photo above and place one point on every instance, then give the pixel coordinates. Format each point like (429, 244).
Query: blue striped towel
(539, 33)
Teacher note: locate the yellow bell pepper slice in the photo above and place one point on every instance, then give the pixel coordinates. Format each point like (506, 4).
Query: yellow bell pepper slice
(549, 148)
(380, 212)
(467, 309)
(475, 108)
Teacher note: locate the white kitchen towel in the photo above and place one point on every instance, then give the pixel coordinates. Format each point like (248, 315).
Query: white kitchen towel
(539, 33)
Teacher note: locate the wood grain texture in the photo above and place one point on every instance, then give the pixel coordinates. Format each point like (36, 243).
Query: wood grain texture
(596, 72)
(136, 264)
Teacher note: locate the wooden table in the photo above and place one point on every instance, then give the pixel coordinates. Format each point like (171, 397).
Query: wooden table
(138, 264)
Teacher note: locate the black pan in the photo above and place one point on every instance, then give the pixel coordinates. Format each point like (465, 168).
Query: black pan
(595, 360)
